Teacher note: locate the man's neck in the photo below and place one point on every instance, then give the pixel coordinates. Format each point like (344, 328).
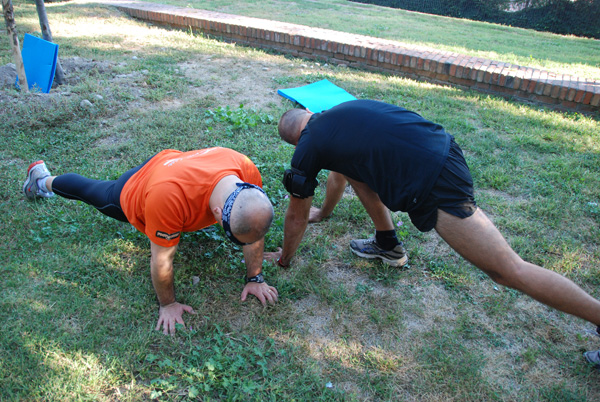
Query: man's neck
(303, 124)
(224, 187)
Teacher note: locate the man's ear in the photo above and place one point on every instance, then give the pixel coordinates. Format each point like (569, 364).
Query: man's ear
(218, 214)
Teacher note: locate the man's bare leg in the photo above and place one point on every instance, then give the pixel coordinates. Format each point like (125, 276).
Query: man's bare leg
(394, 254)
(334, 190)
(479, 242)
(379, 213)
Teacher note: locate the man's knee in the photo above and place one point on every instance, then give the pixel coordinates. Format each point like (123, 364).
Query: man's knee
(479, 241)
(500, 278)
(509, 273)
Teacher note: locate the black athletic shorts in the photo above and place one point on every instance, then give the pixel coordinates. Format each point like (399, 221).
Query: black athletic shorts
(452, 193)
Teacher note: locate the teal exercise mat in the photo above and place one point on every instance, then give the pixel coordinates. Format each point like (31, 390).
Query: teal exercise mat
(39, 60)
(318, 96)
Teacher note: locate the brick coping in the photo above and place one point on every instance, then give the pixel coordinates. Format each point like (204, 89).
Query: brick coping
(558, 91)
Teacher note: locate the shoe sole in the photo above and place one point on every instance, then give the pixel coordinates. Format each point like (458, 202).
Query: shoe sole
(394, 263)
(28, 181)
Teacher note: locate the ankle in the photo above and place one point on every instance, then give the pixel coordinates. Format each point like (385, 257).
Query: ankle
(45, 184)
(41, 183)
(386, 239)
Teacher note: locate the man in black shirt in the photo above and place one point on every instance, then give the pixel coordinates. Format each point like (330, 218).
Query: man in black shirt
(395, 159)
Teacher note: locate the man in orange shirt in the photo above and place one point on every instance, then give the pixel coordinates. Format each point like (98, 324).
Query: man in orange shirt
(175, 192)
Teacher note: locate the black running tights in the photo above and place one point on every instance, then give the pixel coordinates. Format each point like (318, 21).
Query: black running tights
(104, 195)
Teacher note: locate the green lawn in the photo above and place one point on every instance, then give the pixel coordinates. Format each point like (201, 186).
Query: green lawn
(561, 54)
(76, 302)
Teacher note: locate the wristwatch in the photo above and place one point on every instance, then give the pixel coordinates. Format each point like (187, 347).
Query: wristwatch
(258, 279)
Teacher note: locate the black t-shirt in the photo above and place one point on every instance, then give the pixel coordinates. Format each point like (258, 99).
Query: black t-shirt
(396, 152)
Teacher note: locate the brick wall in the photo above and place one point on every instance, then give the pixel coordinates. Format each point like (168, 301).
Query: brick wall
(560, 91)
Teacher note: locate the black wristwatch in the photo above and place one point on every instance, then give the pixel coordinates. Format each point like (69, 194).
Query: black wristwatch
(258, 279)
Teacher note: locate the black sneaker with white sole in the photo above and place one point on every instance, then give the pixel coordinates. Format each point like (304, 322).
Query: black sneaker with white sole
(368, 248)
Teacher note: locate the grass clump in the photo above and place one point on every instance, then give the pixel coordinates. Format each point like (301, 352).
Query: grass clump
(243, 369)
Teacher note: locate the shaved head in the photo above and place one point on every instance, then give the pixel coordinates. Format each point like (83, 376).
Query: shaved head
(290, 125)
(251, 215)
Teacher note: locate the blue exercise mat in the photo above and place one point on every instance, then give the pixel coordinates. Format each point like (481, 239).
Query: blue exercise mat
(39, 60)
(318, 96)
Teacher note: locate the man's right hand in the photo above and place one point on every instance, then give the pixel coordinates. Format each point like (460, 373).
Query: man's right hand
(272, 256)
(170, 315)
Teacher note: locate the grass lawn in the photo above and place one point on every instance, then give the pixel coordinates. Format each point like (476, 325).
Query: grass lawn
(76, 301)
(526, 47)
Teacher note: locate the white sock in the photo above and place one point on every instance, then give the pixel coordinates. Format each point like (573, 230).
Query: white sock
(41, 183)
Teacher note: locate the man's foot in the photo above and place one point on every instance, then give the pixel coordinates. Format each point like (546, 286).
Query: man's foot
(368, 248)
(593, 357)
(36, 171)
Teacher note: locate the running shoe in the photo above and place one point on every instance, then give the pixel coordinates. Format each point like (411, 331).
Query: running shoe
(593, 357)
(36, 171)
(368, 248)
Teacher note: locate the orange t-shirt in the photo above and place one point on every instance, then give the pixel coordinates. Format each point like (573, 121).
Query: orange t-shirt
(170, 193)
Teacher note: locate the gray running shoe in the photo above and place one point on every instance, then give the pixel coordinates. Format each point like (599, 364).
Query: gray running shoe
(35, 171)
(593, 357)
(368, 248)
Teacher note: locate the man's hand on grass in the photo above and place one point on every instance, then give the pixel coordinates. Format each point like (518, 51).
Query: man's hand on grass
(170, 315)
(262, 291)
(315, 215)
(272, 256)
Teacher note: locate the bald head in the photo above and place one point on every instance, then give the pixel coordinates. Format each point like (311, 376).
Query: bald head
(291, 125)
(251, 215)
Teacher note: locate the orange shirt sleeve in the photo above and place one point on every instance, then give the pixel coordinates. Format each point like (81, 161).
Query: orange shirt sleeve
(252, 175)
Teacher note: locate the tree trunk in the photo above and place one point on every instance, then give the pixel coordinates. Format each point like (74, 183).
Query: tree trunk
(11, 28)
(59, 76)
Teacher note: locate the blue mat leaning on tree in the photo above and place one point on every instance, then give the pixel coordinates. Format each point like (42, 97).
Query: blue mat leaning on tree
(318, 96)
(39, 60)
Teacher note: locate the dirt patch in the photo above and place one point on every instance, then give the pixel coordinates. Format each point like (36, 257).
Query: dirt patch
(228, 81)
(434, 245)
(235, 81)
(316, 320)
(76, 69)
(508, 198)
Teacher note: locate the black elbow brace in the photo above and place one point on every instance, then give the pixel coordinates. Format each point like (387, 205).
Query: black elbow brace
(298, 185)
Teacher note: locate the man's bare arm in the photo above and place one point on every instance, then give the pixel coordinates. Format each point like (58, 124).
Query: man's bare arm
(161, 271)
(334, 190)
(253, 255)
(296, 220)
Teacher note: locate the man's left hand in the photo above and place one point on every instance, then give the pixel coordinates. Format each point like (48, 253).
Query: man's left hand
(273, 256)
(262, 291)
